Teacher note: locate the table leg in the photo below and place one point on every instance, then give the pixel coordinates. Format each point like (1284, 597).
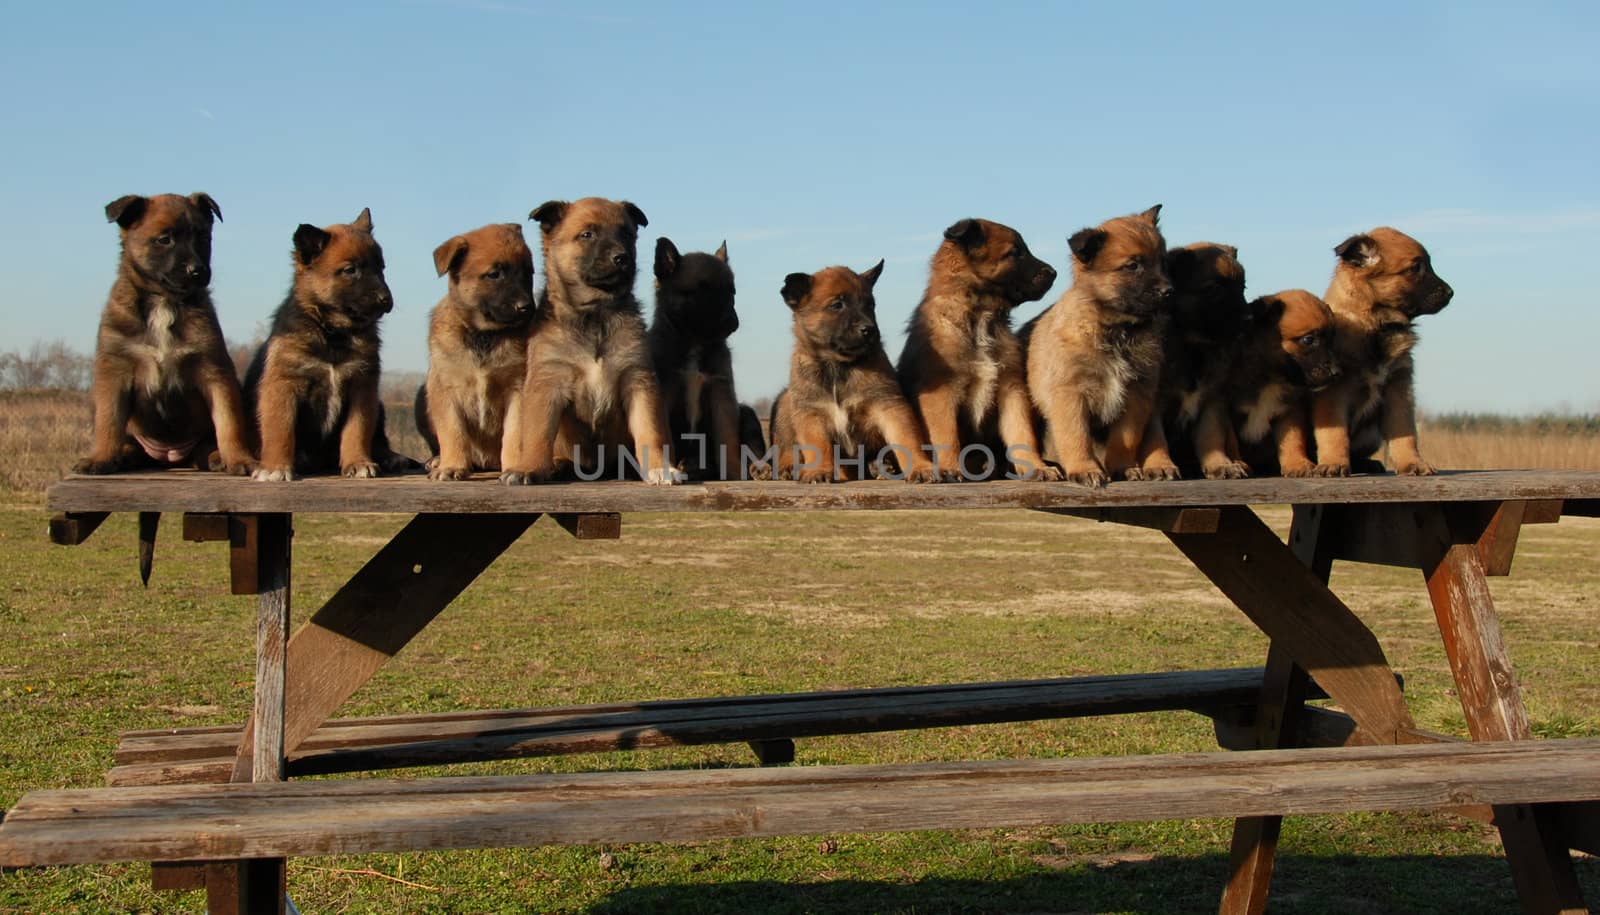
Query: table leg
(257, 886)
(378, 611)
(1453, 565)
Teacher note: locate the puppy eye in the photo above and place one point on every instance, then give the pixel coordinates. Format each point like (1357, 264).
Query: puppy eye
(349, 270)
(1014, 253)
(492, 274)
(164, 240)
(586, 234)
(1416, 267)
(836, 305)
(1132, 266)
(1308, 340)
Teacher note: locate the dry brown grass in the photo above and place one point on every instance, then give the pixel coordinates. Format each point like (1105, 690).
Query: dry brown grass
(43, 432)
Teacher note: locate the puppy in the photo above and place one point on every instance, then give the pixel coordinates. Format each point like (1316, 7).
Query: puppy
(843, 395)
(164, 389)
(753, 438)
(313, 385)
(1285, 358)
(1382, 282)
(688, 336)
(589, 377)
(962, 366)
(1094, 357)
(1208, 317)
(467, 409)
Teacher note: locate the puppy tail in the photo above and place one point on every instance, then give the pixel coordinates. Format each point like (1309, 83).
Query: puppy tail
(148, 522)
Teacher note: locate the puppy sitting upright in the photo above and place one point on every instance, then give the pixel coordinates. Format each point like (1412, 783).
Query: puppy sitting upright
(962, 366)
(1383, 281)
(313, 386)
(164, 389)
(689, 347)
(589, 377)
(1208, 316)
(467, 409)
(842, 393)
(1094, 357)
(1285, 358)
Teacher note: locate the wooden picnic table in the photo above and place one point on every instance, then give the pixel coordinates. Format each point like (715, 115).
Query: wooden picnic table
(177, 799)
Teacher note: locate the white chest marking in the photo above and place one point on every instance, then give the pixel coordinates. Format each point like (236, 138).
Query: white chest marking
(985, 376)
(694, 382)
(330, 421)
(839, 419)
(161, 347)
(1272, 402)
(1117, 375)
(1189, 407)
(594, 382)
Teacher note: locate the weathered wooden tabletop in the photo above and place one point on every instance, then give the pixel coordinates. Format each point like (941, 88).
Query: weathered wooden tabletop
(191, 491)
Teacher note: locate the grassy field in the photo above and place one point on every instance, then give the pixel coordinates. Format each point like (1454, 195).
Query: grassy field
(864, 599)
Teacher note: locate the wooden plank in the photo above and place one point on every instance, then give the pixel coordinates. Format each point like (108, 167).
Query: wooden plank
(73, 528)
(1171, 520)
(1262, 576)
(382, 607)
(265, 762)
(1447, 544)
(185, 491)
(205, 754)
(244, 554)
(170, 877)
(1386, 534)
(201, 822)
(205, 527)
(602, 526)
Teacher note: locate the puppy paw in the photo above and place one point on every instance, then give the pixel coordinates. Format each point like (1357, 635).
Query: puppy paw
(1331, 470)
(360, 470)
(442, 474)
(525, 477)
(1229, 470)
(928, 475)
(665, 476)
(815, 476)
(431, 464)
(1041, 473)
(1131, 474)
(1092, 477)
(760, 470)
(1419, 469)
(1306, 469)
(271, 475)
(91, 465)
(1161, 472)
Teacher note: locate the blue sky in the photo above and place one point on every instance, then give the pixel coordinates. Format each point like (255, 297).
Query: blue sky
(808, 135)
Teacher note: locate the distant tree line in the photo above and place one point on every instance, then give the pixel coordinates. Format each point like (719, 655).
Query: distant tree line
(44, 367)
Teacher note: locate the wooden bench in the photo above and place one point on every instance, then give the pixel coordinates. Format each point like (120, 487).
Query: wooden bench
(770, 723)
(285, 819)
(1456, 529)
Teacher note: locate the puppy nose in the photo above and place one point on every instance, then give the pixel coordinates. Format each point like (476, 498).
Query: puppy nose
(621, 259)
(1164, 292)
(1048, 274)
(191, 269)
(1447, 292)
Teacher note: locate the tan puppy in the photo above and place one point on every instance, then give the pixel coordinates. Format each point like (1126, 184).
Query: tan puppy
(1287, 356)
(1094, 357)
(962, 366)
(313, 385)
(842, 412)
(1383, 280)
(468, 409)
(590, 380)
(164, 389)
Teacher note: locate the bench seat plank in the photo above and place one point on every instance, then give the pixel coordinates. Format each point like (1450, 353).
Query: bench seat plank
(211, 822)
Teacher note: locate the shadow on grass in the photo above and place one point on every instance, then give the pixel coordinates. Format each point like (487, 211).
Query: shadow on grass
(1344, 885)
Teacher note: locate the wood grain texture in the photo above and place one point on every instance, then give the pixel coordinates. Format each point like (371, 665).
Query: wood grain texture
(353, 745)
(191, 491)
(73, 528)
(198, 822)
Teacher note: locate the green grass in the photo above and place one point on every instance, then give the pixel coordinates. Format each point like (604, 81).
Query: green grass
(722, 605)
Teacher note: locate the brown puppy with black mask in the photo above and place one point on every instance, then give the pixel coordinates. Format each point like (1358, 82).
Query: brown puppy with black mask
(962, 366)
(1382, 282)
(590, 384)
(164, 390)
(468, 408)
(1208, 319)
(313, 385)
(1286, 357)
(1094, 357)
(842, 414)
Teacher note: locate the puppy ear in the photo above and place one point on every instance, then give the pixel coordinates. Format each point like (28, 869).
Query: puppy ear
(1232, 251)
(448, 256)
(1266, 310)
(667, 257)
(126, 211)
(796, 286)
(721, 253)
(1358, 251)
(1086, 243)
(549, 214)
(635, 214)
(309, 241)
(206, 204)
(872, 274)
(965, 232)
(363, 221)
(1153, 215)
